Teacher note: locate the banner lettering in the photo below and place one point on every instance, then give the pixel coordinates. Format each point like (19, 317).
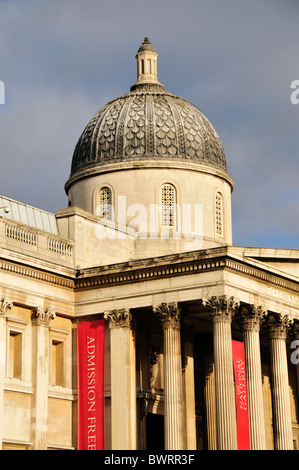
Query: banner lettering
(243, 438)
(91, 385)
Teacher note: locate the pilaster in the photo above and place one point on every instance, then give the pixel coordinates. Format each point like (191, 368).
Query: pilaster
(4, 306)
(40, 375)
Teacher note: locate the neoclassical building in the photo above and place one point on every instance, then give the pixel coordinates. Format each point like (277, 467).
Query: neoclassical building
(197, 339)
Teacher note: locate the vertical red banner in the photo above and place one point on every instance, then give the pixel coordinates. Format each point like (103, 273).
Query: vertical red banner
(243, 437)
(91, 397)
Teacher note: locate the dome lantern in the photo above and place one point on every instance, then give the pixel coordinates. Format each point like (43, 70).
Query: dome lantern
(146, 64)
(148, 127)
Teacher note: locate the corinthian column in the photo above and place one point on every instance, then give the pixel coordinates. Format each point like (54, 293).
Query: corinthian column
(123, 380)
(278, 325)
(209, 399)
(222, 310)
(250, 318)
(173, 389)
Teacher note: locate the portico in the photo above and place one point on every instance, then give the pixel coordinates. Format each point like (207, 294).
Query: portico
(168, 303)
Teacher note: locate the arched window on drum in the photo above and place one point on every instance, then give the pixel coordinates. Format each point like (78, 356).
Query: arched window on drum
(168, 205)
(104, 208)
(219, 215)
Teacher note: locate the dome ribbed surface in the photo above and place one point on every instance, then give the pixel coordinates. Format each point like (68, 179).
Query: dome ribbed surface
(148, 124)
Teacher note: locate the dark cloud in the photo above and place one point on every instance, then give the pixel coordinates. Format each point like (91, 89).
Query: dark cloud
(235, 60)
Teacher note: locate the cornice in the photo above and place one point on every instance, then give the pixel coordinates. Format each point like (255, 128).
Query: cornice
(163, 267)
(129, 273)
(36, 274)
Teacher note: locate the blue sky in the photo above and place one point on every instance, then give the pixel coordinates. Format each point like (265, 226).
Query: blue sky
(233, 59)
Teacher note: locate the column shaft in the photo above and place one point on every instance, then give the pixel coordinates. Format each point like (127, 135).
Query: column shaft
(222, 311)
(40, 376)
(123, 381)
(173, 397)
(250, 317)
(280, 382)
(210, 403)
(225, 393)
(189, 396)
(4, 305)
(174, 420)
(254, 390)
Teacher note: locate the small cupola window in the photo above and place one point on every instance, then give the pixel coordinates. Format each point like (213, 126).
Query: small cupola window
(104, 208)
(168, 205)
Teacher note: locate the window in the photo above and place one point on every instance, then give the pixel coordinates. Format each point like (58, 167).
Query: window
(168, 201)
(15, 355)
(57, 363)
(105, 203)
(219, 215)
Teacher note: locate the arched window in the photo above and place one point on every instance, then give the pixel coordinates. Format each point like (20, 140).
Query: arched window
(219, 214)
(105, 203)
(168, 202)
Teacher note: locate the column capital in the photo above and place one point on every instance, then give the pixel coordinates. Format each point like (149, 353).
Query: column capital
(222, 308)
(119, 318)
(169, 314)
(4, 305)
(278, 325)
(251, 316)
(42, 316)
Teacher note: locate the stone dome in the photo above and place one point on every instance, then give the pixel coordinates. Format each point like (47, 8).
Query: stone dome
(147, 126)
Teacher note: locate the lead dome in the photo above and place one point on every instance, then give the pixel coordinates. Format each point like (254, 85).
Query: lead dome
(147, 126)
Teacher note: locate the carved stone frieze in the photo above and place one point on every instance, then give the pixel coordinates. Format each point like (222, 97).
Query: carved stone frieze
(221, 308)
(169, 314)
(119, 318)
(278, 325)
(250, 317)
(4, 305)
(42, 316)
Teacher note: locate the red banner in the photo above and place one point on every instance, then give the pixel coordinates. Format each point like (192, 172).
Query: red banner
(91, 385)
(243, 437)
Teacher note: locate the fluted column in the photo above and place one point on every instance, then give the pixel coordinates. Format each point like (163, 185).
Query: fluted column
(222, 310)
(40, 375)
(123, 380)
(189, 387)
(277, 326)
(4, 305)
(209, 400)
(173, 390)
(250, 318)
